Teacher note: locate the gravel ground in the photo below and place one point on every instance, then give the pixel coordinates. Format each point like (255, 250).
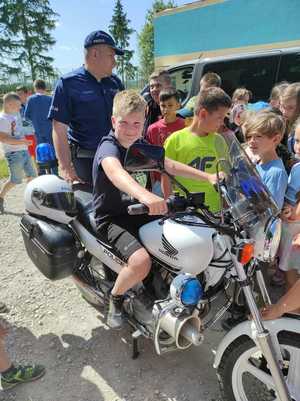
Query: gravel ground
(51, 324)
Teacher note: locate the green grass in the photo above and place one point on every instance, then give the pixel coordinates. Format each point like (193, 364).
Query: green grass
(3, 169)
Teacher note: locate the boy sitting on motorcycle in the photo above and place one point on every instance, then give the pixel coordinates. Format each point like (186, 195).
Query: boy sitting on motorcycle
(113, 188)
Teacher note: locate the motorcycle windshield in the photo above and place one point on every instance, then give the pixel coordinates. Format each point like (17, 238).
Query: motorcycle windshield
(245, 191)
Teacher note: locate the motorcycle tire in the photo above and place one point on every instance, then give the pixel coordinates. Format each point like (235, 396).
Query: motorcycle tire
(243, 353)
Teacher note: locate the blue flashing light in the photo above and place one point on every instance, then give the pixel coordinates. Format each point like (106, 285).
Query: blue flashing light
(191, 292)
(45, 153)
(251, 186)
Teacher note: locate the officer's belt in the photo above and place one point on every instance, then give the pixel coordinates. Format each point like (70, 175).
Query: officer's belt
(81, 153)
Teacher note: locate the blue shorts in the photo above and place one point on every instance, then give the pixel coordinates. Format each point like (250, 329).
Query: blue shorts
(20, 163)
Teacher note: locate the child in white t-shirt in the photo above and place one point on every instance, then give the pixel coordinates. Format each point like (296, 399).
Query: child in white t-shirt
(15, 146)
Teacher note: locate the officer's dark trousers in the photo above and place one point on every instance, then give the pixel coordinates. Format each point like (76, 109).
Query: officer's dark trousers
(83, 168)
(82, 160)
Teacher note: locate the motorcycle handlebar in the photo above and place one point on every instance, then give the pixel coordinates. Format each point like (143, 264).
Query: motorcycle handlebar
(137, 209)
(176, 203)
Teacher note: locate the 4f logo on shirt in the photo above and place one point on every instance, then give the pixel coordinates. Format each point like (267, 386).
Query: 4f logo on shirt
(202, 164)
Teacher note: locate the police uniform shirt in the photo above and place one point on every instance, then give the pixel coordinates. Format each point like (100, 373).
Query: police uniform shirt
(85, 105)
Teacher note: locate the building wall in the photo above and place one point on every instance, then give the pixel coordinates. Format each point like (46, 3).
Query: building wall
(216, 27)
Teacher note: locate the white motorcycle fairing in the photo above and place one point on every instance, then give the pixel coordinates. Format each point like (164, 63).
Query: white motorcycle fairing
(94, 246)
(188, 249)
(247, 328)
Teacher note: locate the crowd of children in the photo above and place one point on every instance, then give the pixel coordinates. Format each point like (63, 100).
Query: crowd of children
(198, 144)
(192, 148)
(271, 138)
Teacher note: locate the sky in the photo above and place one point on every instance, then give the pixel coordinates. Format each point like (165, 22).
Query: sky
(80, 17)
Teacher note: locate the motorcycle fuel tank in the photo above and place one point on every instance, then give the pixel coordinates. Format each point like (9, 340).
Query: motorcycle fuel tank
(184, 247)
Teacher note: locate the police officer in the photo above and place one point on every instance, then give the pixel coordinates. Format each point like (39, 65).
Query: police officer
(82, 106)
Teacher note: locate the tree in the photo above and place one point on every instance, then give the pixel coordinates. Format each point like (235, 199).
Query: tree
(146, 38)
(25, 37)
(121, 31)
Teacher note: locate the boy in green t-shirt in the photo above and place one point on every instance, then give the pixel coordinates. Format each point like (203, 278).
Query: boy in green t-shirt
(199, 145)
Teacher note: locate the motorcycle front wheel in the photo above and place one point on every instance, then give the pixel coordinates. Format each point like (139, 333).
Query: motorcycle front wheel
(244, 375)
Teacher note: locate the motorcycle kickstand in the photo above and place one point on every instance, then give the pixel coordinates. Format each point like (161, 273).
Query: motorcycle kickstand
(135, 345)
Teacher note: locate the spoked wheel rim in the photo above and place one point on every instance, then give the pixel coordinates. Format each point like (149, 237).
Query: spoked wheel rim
(251, 378)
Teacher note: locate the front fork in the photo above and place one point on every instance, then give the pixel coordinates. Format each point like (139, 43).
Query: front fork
(268, 344)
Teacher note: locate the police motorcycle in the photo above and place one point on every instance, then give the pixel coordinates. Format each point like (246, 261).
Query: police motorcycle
(196, 258)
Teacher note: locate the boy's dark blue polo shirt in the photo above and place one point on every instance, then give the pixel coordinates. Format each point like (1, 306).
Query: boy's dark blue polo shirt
(85, 105)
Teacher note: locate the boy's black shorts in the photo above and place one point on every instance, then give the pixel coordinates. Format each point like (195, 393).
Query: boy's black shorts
(121, 232)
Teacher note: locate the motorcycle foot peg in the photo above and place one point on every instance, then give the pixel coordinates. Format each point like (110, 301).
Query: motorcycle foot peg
(135, 345)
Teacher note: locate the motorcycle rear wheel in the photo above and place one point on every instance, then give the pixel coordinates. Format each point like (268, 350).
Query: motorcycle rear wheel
(244, 375)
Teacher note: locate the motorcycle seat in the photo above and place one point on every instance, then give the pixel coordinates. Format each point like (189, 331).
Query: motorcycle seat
(86, 215)
(85, 209)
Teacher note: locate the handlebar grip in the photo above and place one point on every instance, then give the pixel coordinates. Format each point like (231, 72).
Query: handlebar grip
(137, 209)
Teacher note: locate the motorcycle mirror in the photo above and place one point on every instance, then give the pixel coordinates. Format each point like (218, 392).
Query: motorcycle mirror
(144, 157)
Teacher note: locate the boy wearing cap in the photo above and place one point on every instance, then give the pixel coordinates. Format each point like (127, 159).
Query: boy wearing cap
(82, 105)
(199, 145)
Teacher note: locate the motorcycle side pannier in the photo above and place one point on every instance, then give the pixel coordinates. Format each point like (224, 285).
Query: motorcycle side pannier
(51, 246)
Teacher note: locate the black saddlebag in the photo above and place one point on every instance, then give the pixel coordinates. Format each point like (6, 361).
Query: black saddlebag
(51, 246)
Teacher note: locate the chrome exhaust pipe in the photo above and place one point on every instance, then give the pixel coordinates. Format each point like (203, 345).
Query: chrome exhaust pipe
(184, 330)
(192, 334)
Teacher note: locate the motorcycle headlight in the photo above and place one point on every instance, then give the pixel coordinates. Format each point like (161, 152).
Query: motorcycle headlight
(186, 290)
(272, 239)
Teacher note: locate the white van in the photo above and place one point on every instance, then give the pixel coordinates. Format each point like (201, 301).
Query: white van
(258, 71)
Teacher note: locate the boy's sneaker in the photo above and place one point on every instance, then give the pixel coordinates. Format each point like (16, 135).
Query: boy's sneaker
(21, 374)
(115, 313)
(1, 205)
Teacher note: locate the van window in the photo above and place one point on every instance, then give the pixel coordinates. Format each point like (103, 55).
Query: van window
(182, 80)
(289, 68)
(257, 74)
